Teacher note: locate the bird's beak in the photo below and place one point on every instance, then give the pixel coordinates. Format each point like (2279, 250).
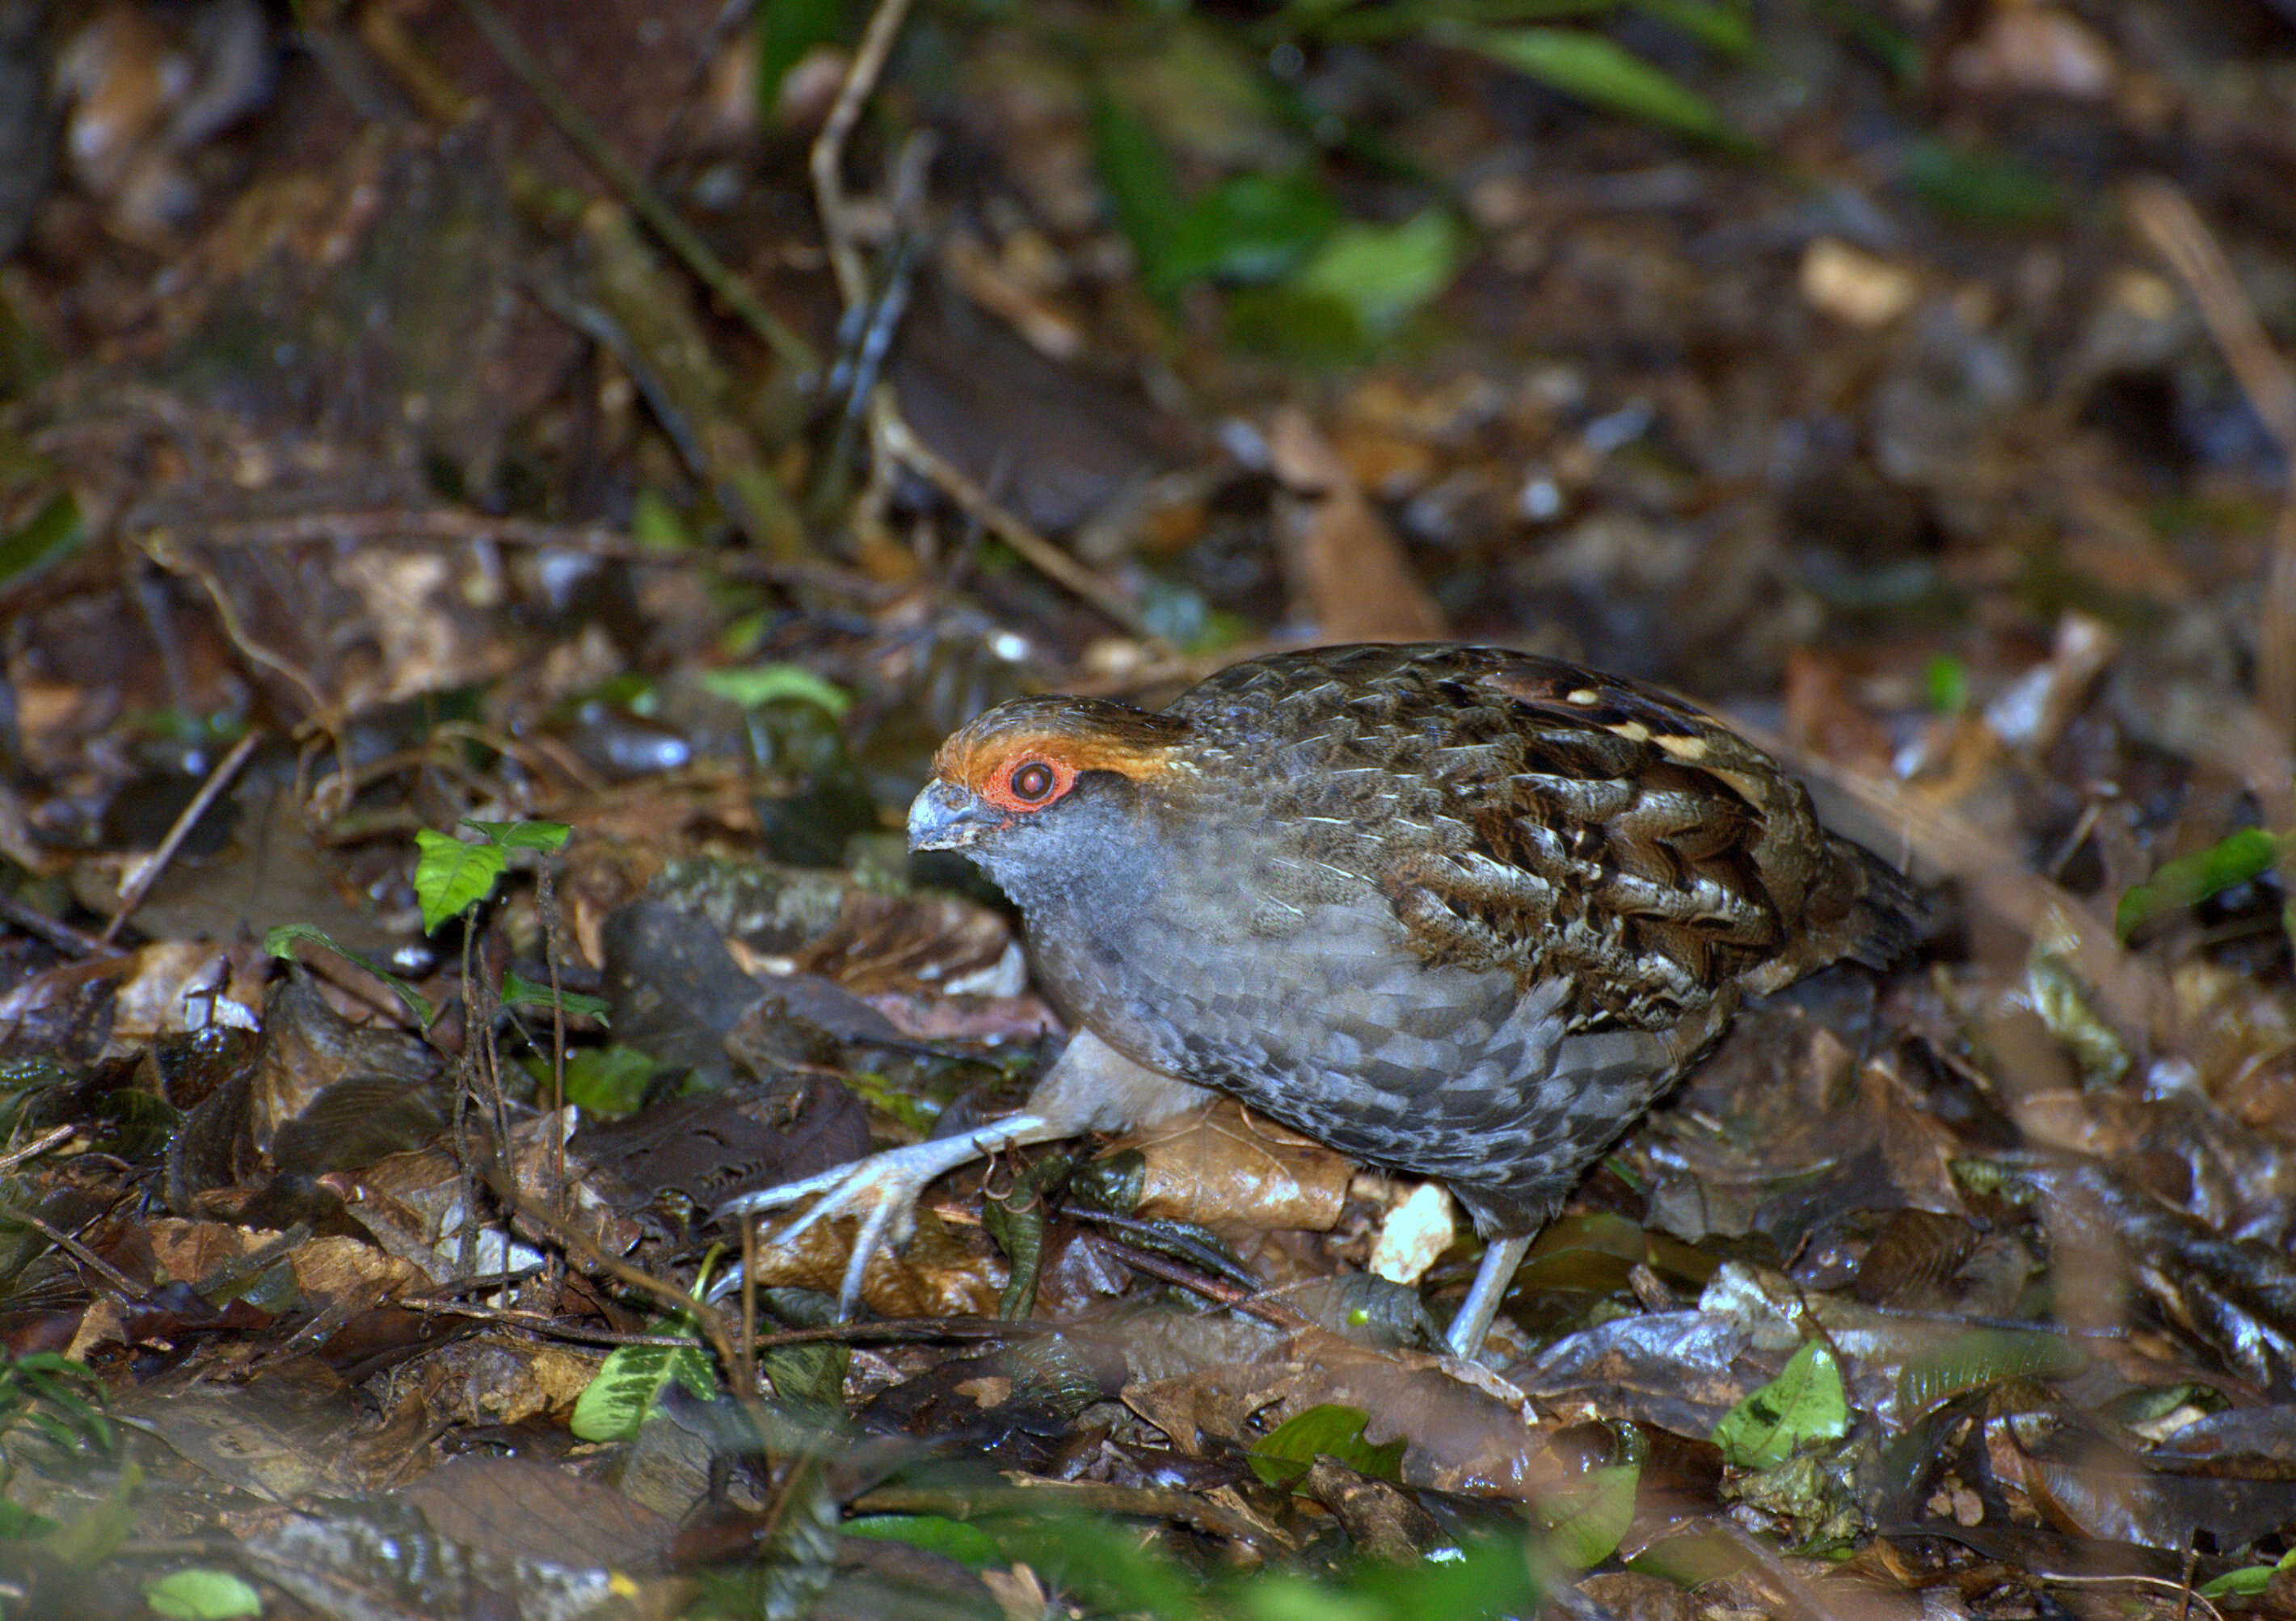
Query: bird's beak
(944, 816)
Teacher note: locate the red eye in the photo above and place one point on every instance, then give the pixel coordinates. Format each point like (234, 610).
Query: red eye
(1030, 782)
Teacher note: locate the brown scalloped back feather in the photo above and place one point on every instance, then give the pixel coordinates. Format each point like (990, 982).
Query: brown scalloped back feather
(1459, 911)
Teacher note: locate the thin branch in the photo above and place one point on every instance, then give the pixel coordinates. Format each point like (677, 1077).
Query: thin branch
(1034, 550)
(2178, 233)
(148, 874)
(63, 936)
(828, 156)
(639, 195)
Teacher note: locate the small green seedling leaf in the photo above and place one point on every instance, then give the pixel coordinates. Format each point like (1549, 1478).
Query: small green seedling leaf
(202, 1595)
(1805, 1404)
(608, 1081)
(613, 1405)
(935, 1532)
(52, 532)
(1587, 1520)
(1946, 684)
(2246, 1581)
(1382, 274)
(1980, 187)
(1253, 227)
(1979, 1358)
(2190, 879)
(760, 685)
(519, 991)
(1284, 1457)
(1724, 29)
(783, 33)
(548, 837)
(1599, 72)
(451, 876)
(280, 942)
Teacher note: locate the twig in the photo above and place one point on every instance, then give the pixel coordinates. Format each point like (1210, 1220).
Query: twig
(1219, 1291)
(892, 432)
(122, 1285)
(37, 1146)
(148, 874)
(2178, 232)
(2131, 992)
(1041, 554)
(828, 155)
(63, 936)
(642, 199)
(383, 526)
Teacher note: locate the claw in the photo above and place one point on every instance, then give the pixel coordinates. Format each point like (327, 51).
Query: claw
(883, 1190)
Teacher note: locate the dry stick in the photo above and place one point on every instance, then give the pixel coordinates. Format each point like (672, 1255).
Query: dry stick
(149, 872)
(2178, 233)
(124, 1286)
(1042, 554)
(2180, 236)
(2133, 994)
(592, 1261)
(384, 525)
(893, 434)
(828, 155)
(37, 1146)
(639, 196)
(63, 936)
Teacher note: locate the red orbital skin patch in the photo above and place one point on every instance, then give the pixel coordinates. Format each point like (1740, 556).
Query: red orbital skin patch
(995, 786)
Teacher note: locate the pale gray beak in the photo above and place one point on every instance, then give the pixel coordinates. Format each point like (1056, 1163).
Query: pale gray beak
(946, 817)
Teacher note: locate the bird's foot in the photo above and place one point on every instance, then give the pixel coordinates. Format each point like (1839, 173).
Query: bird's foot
(882, 1191)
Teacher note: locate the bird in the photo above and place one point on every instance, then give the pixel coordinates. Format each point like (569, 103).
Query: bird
(1459, 913)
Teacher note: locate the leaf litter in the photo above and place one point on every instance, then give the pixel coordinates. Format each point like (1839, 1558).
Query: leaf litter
(437, 429)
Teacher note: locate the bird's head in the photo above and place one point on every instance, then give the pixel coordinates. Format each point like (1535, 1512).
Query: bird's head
(1034, 764)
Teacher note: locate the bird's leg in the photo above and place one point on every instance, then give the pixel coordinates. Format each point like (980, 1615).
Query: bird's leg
(1501, 1256)
(1090, 1088)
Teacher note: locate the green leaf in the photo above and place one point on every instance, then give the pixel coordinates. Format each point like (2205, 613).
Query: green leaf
(1587, 1520)
(1980, 188)
(1252, 228)
(760, 685)
(656, 525)
(1144, 197)
(544, 836)
(450, 876)
(280, 942)
(613, 1405)
(1724, 30)
(519, 991)
(53, 532)
(608, 1081)
(1600, 73)
(1330, 1430)
(935, 1532)
(1805, 1404)
(202, 1595)
(2190, 879)
(2246, 1581)
(1383, 275)
(811, 1375)
(1978, 1358)
(1946, 683)
(783, 31)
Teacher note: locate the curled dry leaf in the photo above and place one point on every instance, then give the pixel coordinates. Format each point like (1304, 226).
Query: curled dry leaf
(1343, 561)
(1231, 1165)
(937, 1275)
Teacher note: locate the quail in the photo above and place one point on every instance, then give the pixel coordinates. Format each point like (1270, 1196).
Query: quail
(1457, 911)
